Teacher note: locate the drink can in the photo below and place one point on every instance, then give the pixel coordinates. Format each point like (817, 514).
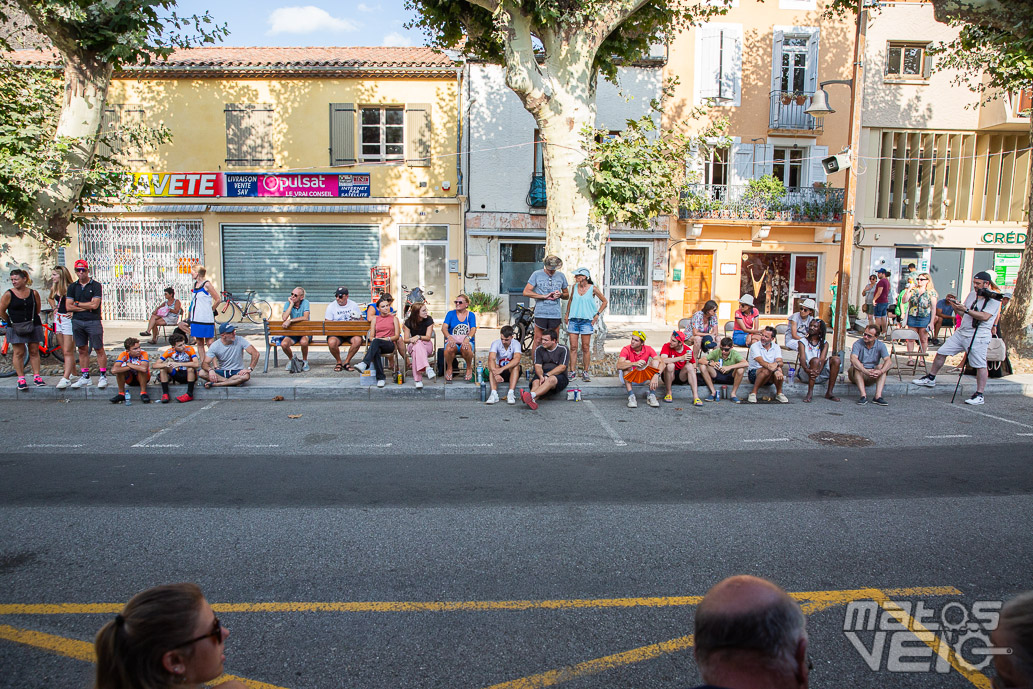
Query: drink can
(398, 378)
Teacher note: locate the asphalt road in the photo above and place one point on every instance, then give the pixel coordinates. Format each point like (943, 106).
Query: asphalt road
(445, 544)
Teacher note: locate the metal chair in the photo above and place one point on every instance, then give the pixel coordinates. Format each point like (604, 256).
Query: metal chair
(902, 336)
(685, 325)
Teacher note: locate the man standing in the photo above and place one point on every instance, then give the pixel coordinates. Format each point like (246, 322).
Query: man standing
(228, 350)
(765, 365)
(704, 329)
(84, 297)
(975, 331)
(678, 367)
(546, 286)
(869, 363)
(504, 365)
(723, 366)
(550, 369)
(295, 310)
(343, 309)
(882, 298)
(750, 633)
(635, 357)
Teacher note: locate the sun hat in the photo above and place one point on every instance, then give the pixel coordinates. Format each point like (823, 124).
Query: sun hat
(809, 304)
(583, 271)
(746, 299)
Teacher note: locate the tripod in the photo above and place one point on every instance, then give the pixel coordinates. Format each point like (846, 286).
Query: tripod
(968, 352)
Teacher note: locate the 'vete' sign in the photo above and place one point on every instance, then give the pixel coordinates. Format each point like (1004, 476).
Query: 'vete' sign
(178, 184)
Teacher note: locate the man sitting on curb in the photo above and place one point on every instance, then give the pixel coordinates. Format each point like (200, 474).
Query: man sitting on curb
(635, 358)
(869, 363)
(229, 351)
(765, 367)
(678, 366)
(133, 367)
(504, 365)
(550, 369)
(180, 364)
(723, 366)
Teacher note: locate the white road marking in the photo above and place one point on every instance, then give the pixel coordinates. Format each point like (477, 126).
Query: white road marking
(999, 418)
(51, 445)
(467, 444)
(570, 444)
(1024, 434)
(364, 446)
(255, 445)
(617, 440)
(147, 442)
(962, 435)
(766, 440)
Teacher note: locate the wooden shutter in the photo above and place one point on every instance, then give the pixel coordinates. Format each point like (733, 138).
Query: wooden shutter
(742, 163)
(132, 116)
(238, 129)
(342, 134)
(262, 149)
(776, 61)
(108, 128)
(817, 173)
(709, 67)
(417, 134)
(812, 61)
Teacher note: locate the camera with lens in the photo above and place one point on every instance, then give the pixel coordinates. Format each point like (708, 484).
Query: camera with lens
(988, 294)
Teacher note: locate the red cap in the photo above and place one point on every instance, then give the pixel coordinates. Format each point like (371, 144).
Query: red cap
(81, 263)
(678, 335)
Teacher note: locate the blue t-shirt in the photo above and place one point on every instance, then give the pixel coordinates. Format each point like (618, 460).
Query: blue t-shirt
(299, 310)
(947, 309)
(543, 284)
(460, 327)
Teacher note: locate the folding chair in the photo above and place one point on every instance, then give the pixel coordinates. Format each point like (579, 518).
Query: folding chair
(902, 336)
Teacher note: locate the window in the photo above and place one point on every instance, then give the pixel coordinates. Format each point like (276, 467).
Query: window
(383, 133)
(249, 134)
(766, 276)
(794, 63)
(629, 286)
(715, 166)
(539, 153)
(719, 64)
(788, 166)
(1021, 102)
(118, 124)
(518, 261)
(908, 61)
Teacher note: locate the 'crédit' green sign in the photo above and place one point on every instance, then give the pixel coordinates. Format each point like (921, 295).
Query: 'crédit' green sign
(1003, 238)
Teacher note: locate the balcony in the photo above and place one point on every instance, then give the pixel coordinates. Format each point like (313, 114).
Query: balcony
(787, 112)
(536, 194)
(726, 202)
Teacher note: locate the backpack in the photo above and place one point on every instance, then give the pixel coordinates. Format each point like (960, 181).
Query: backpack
(296, 365)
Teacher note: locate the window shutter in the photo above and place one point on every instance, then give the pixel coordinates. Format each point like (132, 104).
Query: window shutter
(927, 63)
(693, 166)
(132, 116)
(108, 127)
(710, 62)
(764, 159)
(262, 149)
(812, 61)
(417, 134)
(731, 76)
(342, 134)
(237, 131)
(776, 61)
(817, 171)
(742, 163)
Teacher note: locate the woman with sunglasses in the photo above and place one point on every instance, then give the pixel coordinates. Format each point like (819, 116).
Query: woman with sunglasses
(921, 304)
(799, 324)
(165, 637)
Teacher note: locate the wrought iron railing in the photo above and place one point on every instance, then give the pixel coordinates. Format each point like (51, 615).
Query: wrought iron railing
(536, 194)
(741, 202)
(787, 111)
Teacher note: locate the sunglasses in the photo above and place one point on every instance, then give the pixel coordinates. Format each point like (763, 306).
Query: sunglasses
(80, 270)
(459, 301)
(726, 349)
(215, 634)
(923, 279)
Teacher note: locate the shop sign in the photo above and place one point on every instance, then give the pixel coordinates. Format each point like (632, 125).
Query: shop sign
(1003, 238)
(353, 186)
(178, 184)
(250, 185)
(1006, 269)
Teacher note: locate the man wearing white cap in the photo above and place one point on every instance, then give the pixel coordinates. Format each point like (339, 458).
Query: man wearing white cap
(800, 324)
(747, 328)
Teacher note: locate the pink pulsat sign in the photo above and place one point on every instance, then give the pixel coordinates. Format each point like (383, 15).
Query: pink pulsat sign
(298, 185)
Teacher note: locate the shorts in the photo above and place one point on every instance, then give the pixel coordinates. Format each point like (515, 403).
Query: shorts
(132, 381)
(580, 326)
(916, 322)
(170, 318)
(89, 333)
(204, 330)
(791, 344)
(678, 377)
(178, 375)
(724, 378)
(823, 375)
(753, 376)
(959, 341)
(739, 338)
(35, 338)
(227, 372)
(63, 324)
(867, 381)
(547, 323)
(880, 310)
(295, 340)
(561, 384)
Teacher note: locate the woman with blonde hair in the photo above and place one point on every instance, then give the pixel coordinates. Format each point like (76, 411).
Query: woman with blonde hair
(60, 279)
(921, 305)
(165, 637)
(204, 299)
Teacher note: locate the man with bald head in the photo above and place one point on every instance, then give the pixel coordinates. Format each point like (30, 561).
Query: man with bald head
(750, 635)
(1014, 631)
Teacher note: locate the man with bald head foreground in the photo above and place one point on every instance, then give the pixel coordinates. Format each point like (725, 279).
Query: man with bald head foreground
(750, 635)
(1014, 631)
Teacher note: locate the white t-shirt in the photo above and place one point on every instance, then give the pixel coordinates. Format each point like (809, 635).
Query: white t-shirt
(349, 312)
(801, 325)
(504, 355)
(768, 355)
(992, 307)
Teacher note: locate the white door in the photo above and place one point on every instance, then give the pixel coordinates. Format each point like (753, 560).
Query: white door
(425, 265)
(628, 281)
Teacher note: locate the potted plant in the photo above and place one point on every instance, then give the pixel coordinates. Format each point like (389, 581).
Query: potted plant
(486, 306)
(787, 98)
(800, 97)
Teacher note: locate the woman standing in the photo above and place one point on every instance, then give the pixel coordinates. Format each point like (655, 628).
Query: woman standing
(202, 311)
(384, 332)
(921, 304)
(165, 637)
(60, 279)
(583, 308)
(419, 344)
(19, 308)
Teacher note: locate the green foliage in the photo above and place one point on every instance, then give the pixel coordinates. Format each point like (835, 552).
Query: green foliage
(636, 176)
(482, 302)
(767, 191)
(1005, 59)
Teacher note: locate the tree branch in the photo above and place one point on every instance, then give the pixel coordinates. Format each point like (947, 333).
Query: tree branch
(490, 5)
(1010, 16)
(62, 39)
(523, 74)
(615, 14)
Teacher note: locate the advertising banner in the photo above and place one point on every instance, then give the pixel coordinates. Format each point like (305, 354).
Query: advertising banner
(179, 184)
(250, 185)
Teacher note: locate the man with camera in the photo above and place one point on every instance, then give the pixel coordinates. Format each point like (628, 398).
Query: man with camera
(979, 310)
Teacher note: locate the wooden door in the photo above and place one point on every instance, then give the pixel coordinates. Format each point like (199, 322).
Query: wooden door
(699, 271)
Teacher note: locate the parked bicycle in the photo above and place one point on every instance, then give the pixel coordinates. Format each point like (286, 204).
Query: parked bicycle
(51, 346)
(234, 309)
(523, 323)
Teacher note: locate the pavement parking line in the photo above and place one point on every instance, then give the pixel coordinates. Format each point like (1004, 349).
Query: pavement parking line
(968, 408)
(1024, 434)
(765, 440)
(960, 435)
(83, 650)
(617, 440)
(453, 445)
(178, 422)
(52, 445)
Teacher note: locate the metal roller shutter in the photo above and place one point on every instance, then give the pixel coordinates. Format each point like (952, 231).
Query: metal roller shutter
(274, 259)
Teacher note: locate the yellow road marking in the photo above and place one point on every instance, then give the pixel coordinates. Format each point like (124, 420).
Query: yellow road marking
(815, 600)
(594, 667)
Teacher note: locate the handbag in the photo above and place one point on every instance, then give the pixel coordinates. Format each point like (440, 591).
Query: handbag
(26, 328)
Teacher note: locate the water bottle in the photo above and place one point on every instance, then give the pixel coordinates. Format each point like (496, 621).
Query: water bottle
(484, 385)
(129, 398)
(792, 376)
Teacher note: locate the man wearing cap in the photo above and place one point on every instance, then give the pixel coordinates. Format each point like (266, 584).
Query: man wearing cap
(638, 356)
(343, 309)
(547, 287)
(83, 302)
(975, 332)
(228, 351)
(881, 300)
(765, 366)
(678, 367)
(747, 329)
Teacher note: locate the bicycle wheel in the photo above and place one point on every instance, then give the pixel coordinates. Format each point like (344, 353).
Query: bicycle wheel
(526, 336)
(258, 311)
(227, 312)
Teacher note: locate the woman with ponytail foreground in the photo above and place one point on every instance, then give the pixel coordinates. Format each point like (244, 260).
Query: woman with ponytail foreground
(165, 637)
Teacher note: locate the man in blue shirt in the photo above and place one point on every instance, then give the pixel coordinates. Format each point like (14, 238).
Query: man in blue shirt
(547, 287)
(296, 309)
(944, 316)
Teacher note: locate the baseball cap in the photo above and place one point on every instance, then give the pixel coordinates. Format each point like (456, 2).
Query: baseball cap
(983, 275)
(882, 270)
(678, 335)
(746, 299)
(341, 292)
(81, 263)
(639, 334)
(226, 328)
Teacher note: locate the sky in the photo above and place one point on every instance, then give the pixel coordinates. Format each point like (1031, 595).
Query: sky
(300, 23)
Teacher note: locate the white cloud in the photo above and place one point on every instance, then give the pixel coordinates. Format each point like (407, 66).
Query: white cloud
(306, 19)
(363, 7)
(396, 40)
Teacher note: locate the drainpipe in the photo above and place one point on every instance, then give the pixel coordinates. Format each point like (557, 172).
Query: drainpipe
(460, 181)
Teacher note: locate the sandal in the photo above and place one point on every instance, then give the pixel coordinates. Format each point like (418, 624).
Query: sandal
(338, 368)
(468, 376)
(448, 376)
(349, 367)
(208, 385)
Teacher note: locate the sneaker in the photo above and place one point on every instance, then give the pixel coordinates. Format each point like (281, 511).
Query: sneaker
(22, 385)
(782, 398)
(976, 398)
(492, 398)
(697, 402)
(287, 368)
(38, 381)
(63, 383)
(102, 382)
(863, 401)
(881, 402)
(668, 398)
(651, 400)
(304, 366)
(185, 398)
(118, 399)
(585, 377)
(82, 382)
(510, 397)
(361, 367)
(925, 381)
(165, 399)
(632, 402)
(429, 373)
(418, 384)
(381, 383)
(528, 400)
(145, 398)
(752, 399)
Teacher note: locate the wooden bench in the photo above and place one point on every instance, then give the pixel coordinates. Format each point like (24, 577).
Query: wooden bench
(344, 330)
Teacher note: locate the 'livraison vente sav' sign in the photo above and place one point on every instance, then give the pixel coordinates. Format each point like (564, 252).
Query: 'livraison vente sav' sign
(245, 184)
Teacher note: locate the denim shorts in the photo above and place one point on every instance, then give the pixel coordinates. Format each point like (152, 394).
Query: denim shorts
(880, 310)
(580, 326)
(739, 338)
